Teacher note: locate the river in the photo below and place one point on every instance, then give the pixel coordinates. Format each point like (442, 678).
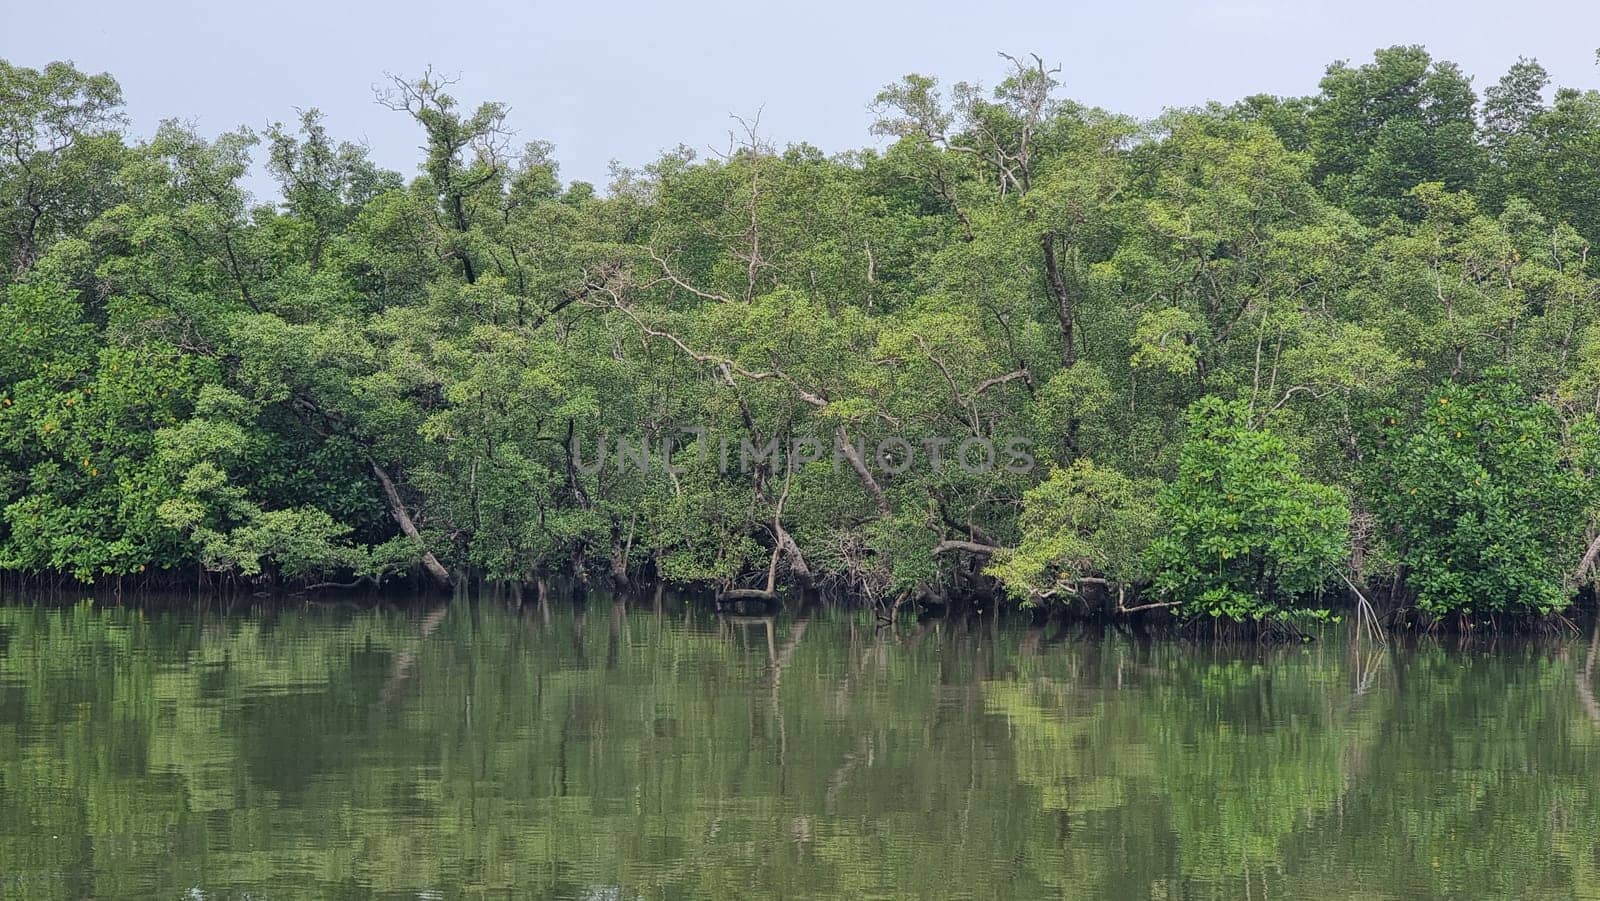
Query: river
(660, 751)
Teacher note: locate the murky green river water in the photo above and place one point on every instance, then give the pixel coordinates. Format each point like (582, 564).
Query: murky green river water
(612, 752)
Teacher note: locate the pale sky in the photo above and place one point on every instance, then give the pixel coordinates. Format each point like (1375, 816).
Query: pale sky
(624, 81)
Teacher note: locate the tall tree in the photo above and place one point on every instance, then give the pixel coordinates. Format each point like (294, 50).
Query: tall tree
(59, 148)
(1382, 128)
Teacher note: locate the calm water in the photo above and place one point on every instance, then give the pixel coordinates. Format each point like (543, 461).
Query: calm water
(613, 752)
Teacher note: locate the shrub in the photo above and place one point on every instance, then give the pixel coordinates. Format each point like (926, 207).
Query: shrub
(1085, 521)
(1246, 536)
(1480, 499)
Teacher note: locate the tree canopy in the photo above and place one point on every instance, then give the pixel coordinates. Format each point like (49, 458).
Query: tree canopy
(1029, 348)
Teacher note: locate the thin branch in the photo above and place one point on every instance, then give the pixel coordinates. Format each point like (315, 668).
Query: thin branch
(670, 276)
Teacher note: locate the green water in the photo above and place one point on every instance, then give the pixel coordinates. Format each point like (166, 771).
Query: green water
(622, 752)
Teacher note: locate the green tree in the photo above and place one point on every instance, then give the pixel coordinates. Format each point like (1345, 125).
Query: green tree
(1480, 500)
(1083, 522)
(1379, 129)
(1245, 535)
(59, 151)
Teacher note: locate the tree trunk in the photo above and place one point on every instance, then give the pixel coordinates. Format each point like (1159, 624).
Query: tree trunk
(860, 466)
(462, 228)
(1589, 558)
(1064, 300)
(403, 517)
(619, 555)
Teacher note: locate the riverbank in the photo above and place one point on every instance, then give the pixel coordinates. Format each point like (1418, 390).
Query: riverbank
(1353, 614)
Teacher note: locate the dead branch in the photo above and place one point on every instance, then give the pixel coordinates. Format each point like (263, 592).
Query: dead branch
(971, 547)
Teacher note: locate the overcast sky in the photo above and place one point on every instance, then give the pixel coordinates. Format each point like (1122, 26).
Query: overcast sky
(621, 81)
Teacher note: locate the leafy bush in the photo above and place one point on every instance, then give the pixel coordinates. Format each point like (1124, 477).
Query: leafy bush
(1246, 536)
(1084, 521)
(1480, 499)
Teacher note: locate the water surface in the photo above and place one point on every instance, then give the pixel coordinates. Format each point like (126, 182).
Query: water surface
(628, 751)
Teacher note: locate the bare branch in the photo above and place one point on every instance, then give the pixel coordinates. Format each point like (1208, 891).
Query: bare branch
(971, 547)
(670, 276)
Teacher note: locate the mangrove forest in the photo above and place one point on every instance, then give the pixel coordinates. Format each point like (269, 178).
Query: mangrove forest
(1262, 362)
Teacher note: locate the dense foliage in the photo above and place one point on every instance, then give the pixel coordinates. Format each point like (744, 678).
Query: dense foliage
(1246, 534)
(881, 373)
(1481, 499)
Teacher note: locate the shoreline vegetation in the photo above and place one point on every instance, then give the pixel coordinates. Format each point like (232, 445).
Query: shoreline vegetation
(1253, 366)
